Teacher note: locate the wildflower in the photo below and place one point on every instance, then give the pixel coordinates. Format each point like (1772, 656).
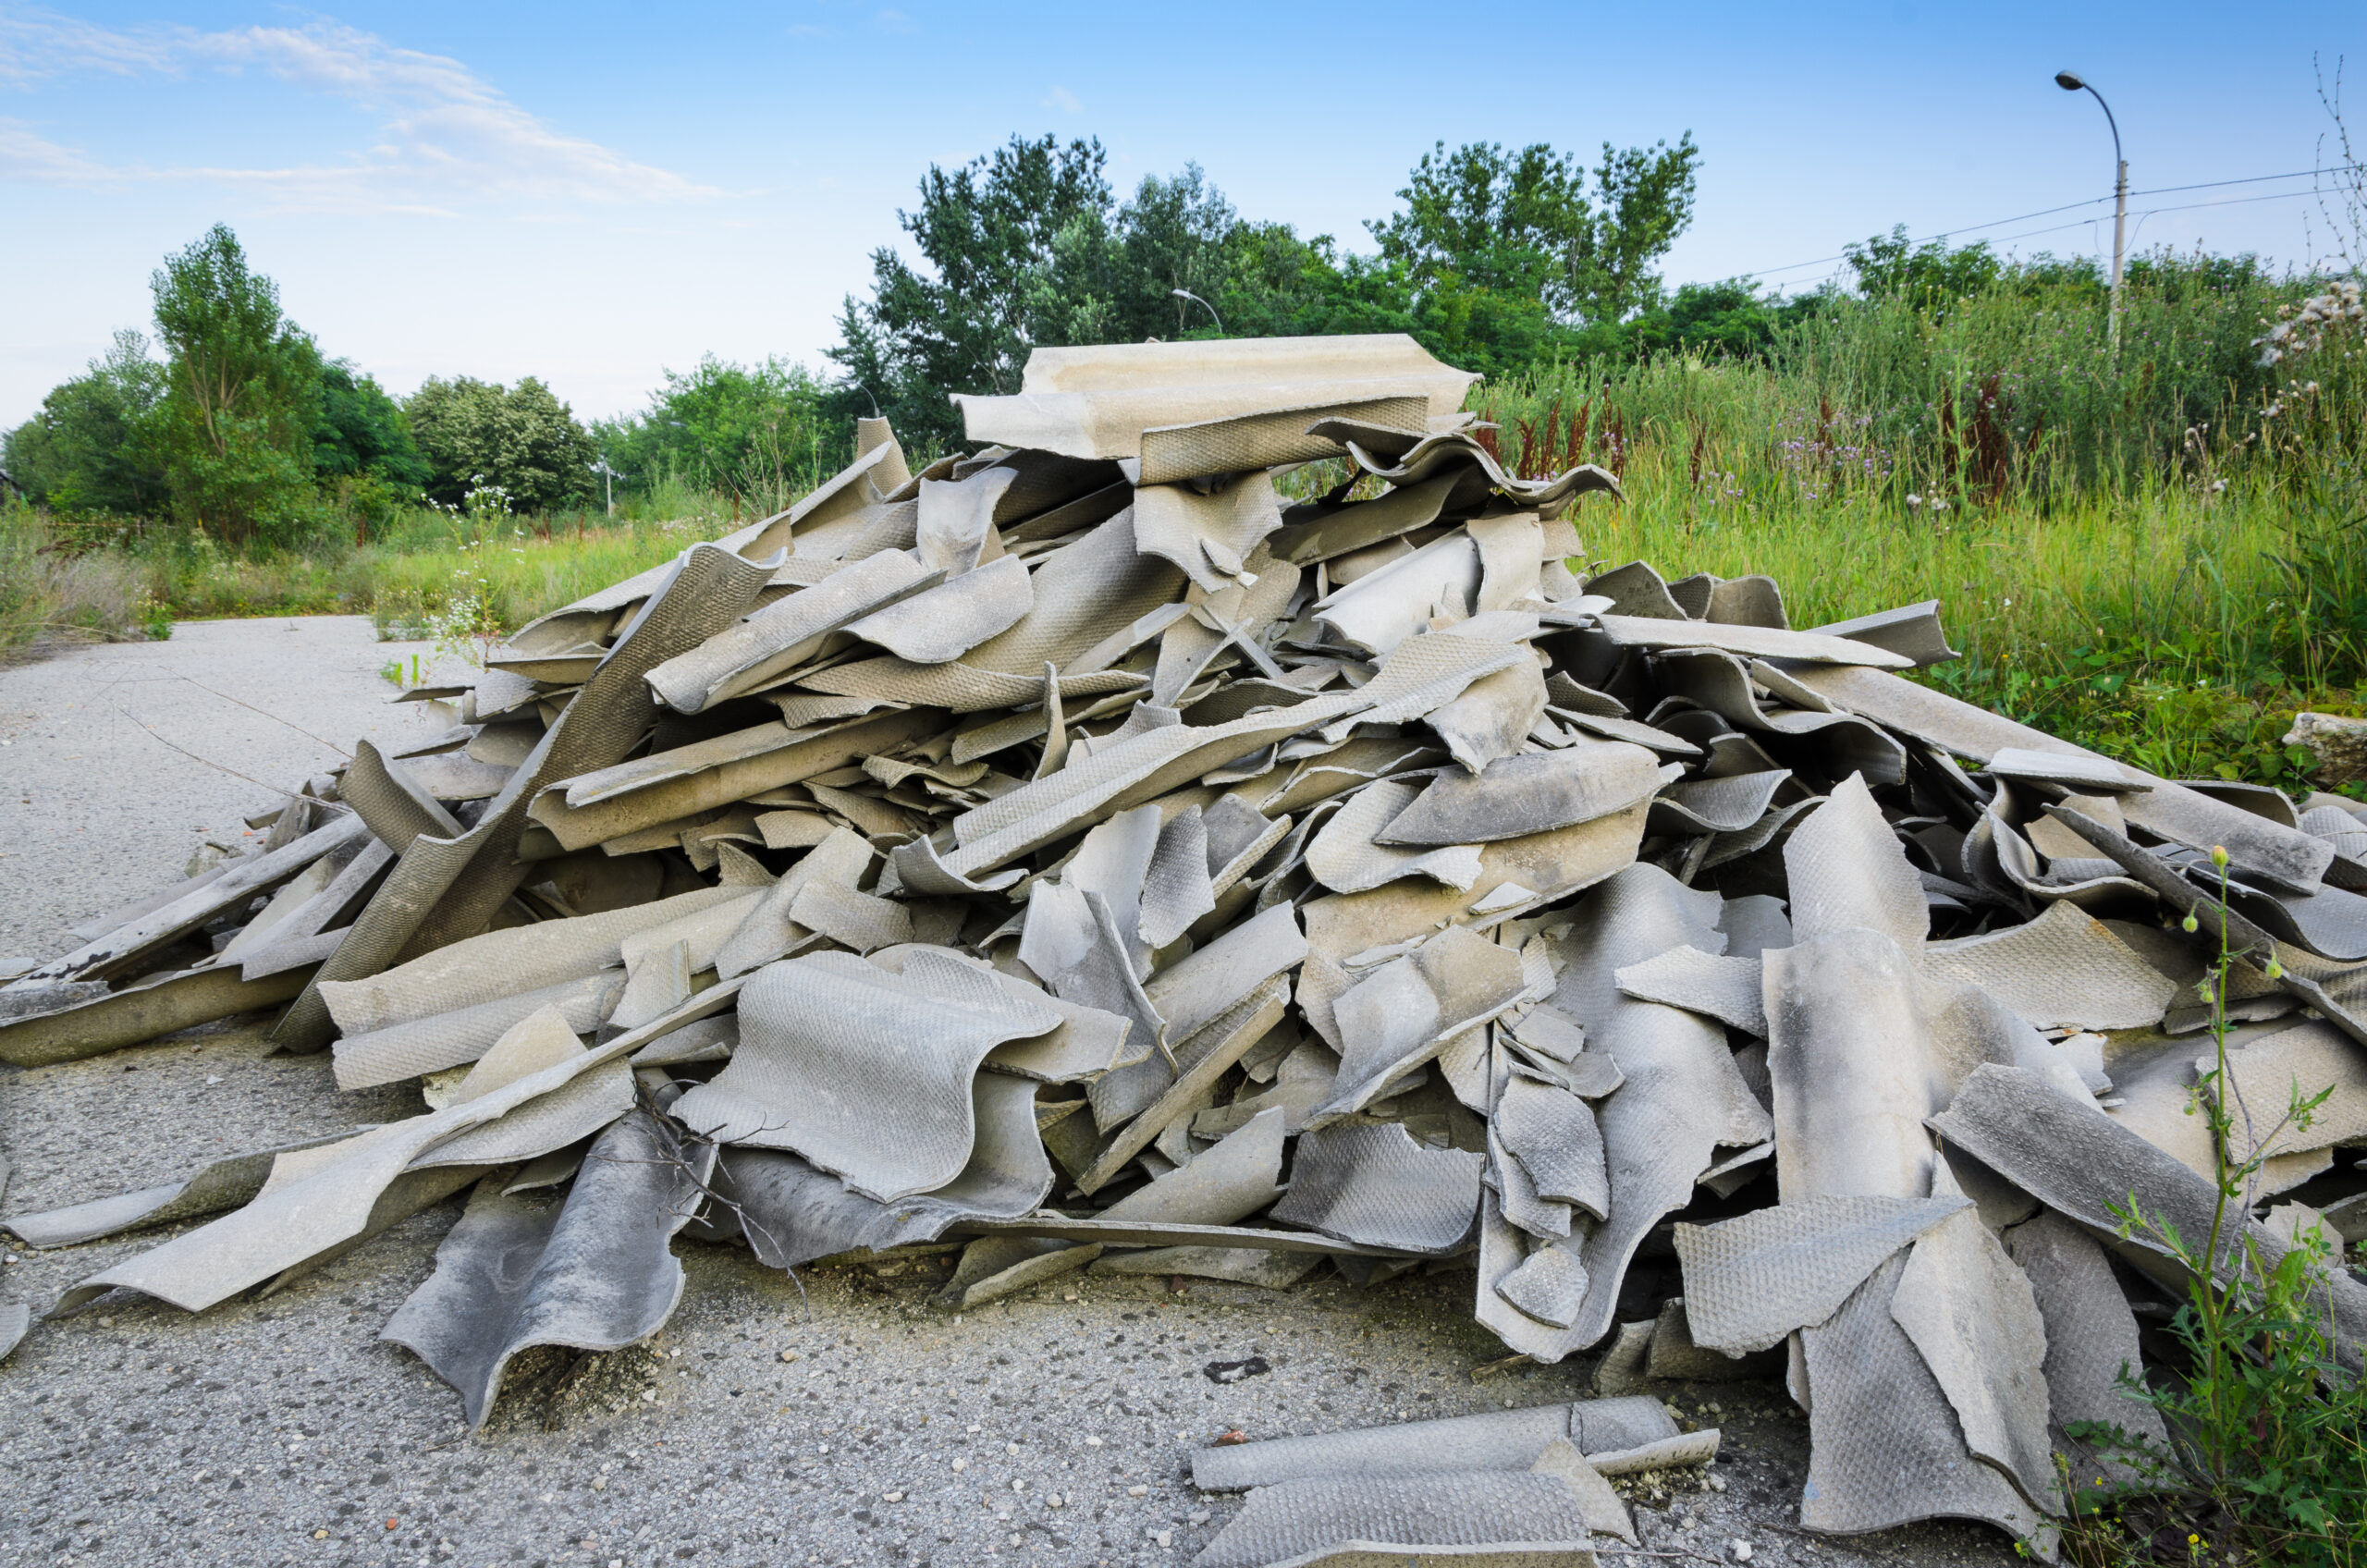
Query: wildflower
(2274, 969)
(2189, 924)
(2219, 856)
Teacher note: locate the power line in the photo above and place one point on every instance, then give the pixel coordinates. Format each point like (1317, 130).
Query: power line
(2082, 223)
(2094, 201)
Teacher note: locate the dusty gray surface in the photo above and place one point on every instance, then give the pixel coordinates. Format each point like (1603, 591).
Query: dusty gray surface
(283, 1431)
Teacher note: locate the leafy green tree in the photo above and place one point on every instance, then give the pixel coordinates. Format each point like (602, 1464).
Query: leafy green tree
(988, 231)
(763, 431)
(1507, 251)
(93, 447)
(522, 440)
(362, 430)
(243, 396)
(1889, 266)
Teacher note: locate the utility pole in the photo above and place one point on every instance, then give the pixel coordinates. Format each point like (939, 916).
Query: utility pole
(2072, 81)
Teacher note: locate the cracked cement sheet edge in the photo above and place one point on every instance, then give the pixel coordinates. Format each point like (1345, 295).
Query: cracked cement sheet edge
(1971, 1314)
(2081, 1164)
(1552, 1133)
(1728, 989)
(504, 963)
(217, 1186)
(1759, 641)
(442, 890)
(1884, 1448)
(1373, 1183)
(1486, 1517)
(825, 1037)
(1221, 1186)
(2295, 860)
(1533, 792)
(1752, 1281)
(450, 1039)
(1231, 1034)
(941, 624)
(109, 954)
(2063, 969)
(790, 1213)
(152, 1006)
(1491, 1441)
(603, 1273)
(2091, 1338)
(283, 1228)
(772, 640)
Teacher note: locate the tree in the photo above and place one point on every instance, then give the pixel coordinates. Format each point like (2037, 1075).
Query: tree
(94, 444)
(361, 430)
(1506, 251)
(522, 440)
(1889, 266)
(759, 430)
(987, 232)
(242, 395)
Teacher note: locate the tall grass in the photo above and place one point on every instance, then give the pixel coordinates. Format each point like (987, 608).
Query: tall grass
(2161, 552)
(49, 594)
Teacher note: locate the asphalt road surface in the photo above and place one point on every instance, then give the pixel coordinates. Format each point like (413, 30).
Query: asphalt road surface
(834, 1419)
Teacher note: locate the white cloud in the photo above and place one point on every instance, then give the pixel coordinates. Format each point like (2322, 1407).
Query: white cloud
(443, 135)
(1063, 99)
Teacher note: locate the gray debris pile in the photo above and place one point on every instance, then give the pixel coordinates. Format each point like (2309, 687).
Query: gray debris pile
(1080, 847)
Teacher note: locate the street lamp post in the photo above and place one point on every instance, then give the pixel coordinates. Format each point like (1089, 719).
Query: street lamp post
(1187, 294)
(2072, 81)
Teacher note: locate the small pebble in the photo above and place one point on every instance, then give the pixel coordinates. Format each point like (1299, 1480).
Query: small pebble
(1741, 1550)
(1093, 1442)
(1197, 1516)
(1717, 1483)
(961, 1464)
(1011, 1447)
(789, 1355)
(1138, 1491)
(599, 1483)
(891, 1497)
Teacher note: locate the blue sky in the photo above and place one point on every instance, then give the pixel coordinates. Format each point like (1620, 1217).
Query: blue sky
(590, 192)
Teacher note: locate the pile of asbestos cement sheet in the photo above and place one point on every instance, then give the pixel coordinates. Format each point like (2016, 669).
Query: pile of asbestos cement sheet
(1086, 848)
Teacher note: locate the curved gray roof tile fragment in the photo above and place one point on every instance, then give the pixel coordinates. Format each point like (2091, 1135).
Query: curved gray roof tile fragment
(593, 1272)
(1970, 1311)
(1752, 1281)
(1683, 1097)
(443, 890)
(217, 1186)
(2065, 969)
(1486, 1516)
(790, 1213)
(2291, 859)
(1551, 1132)
(828, 1042)
(1400, 1014)
(2090, 1342)
(938, 625)
(1373, 1183)
(1885, 1444)
(2086, 1166)
(1529, 793)
(1726, 988)
(1549, 1286)
(330, 1205)
(1726, 804)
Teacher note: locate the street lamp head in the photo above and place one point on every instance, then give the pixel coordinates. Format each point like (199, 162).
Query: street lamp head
(2070, 81)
